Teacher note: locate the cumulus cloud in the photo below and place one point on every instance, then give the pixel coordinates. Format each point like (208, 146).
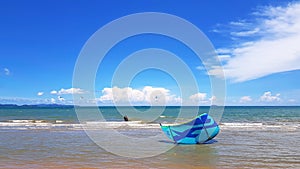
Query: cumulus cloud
(199, 98)
(53, 92)
(53, 100)
(268, 44)
(245, 99)
(147, 95)
(68, 91)
(40, 93)
(268, 97)
(213, 99)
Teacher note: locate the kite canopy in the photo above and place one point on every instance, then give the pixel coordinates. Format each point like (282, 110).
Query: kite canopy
(200, 130)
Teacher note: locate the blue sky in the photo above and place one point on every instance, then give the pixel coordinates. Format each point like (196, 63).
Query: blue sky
(257, 42)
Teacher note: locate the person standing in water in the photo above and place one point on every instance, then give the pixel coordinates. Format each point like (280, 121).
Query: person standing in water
(125, 118)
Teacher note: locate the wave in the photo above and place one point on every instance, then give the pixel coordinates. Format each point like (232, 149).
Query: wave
(27, 121)
(117, 125)
(260, 126)
(242, 124)
(58, 124)
(96, 125)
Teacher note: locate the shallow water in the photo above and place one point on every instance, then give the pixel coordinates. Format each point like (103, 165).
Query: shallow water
(73, 149)
(259, 141)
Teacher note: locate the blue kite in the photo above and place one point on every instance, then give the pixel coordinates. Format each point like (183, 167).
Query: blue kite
(200, 130)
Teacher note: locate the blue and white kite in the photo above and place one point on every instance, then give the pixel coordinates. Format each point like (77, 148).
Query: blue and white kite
(200, 130)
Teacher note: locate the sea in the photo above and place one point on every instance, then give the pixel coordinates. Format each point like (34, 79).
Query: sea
(98, 137)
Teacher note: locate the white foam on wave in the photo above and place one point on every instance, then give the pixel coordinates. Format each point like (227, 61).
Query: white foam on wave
(259, 126)
(33, 124)
(27, 121)
(24, 124)
(242, 124)
(21, 121)
(121, 124)
(59, 121)
(98, 125)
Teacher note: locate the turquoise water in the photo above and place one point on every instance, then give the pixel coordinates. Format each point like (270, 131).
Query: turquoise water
(168, 114)
(250, 137)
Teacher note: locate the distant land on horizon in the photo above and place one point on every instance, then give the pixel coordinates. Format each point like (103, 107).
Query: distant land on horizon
(71, 106)
(33, 105)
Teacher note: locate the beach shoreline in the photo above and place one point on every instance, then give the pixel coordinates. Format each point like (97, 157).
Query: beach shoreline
(249, 138)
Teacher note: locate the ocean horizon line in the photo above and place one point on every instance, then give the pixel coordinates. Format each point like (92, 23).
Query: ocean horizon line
(70, 105)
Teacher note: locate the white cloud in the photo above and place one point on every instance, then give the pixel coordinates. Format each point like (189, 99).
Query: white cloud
(274, 48)
(246, 33)
(239, 23)
(53, 100)
(53, 92)
(68, 91)
(200, 68)
(224, 57)
(213, 99)
(6, 71)
(40, 93)
(268, 97)
(71, 91)
(223, 50)
(245, 99)
(199, 98)
(216, 71)
(147, 95)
